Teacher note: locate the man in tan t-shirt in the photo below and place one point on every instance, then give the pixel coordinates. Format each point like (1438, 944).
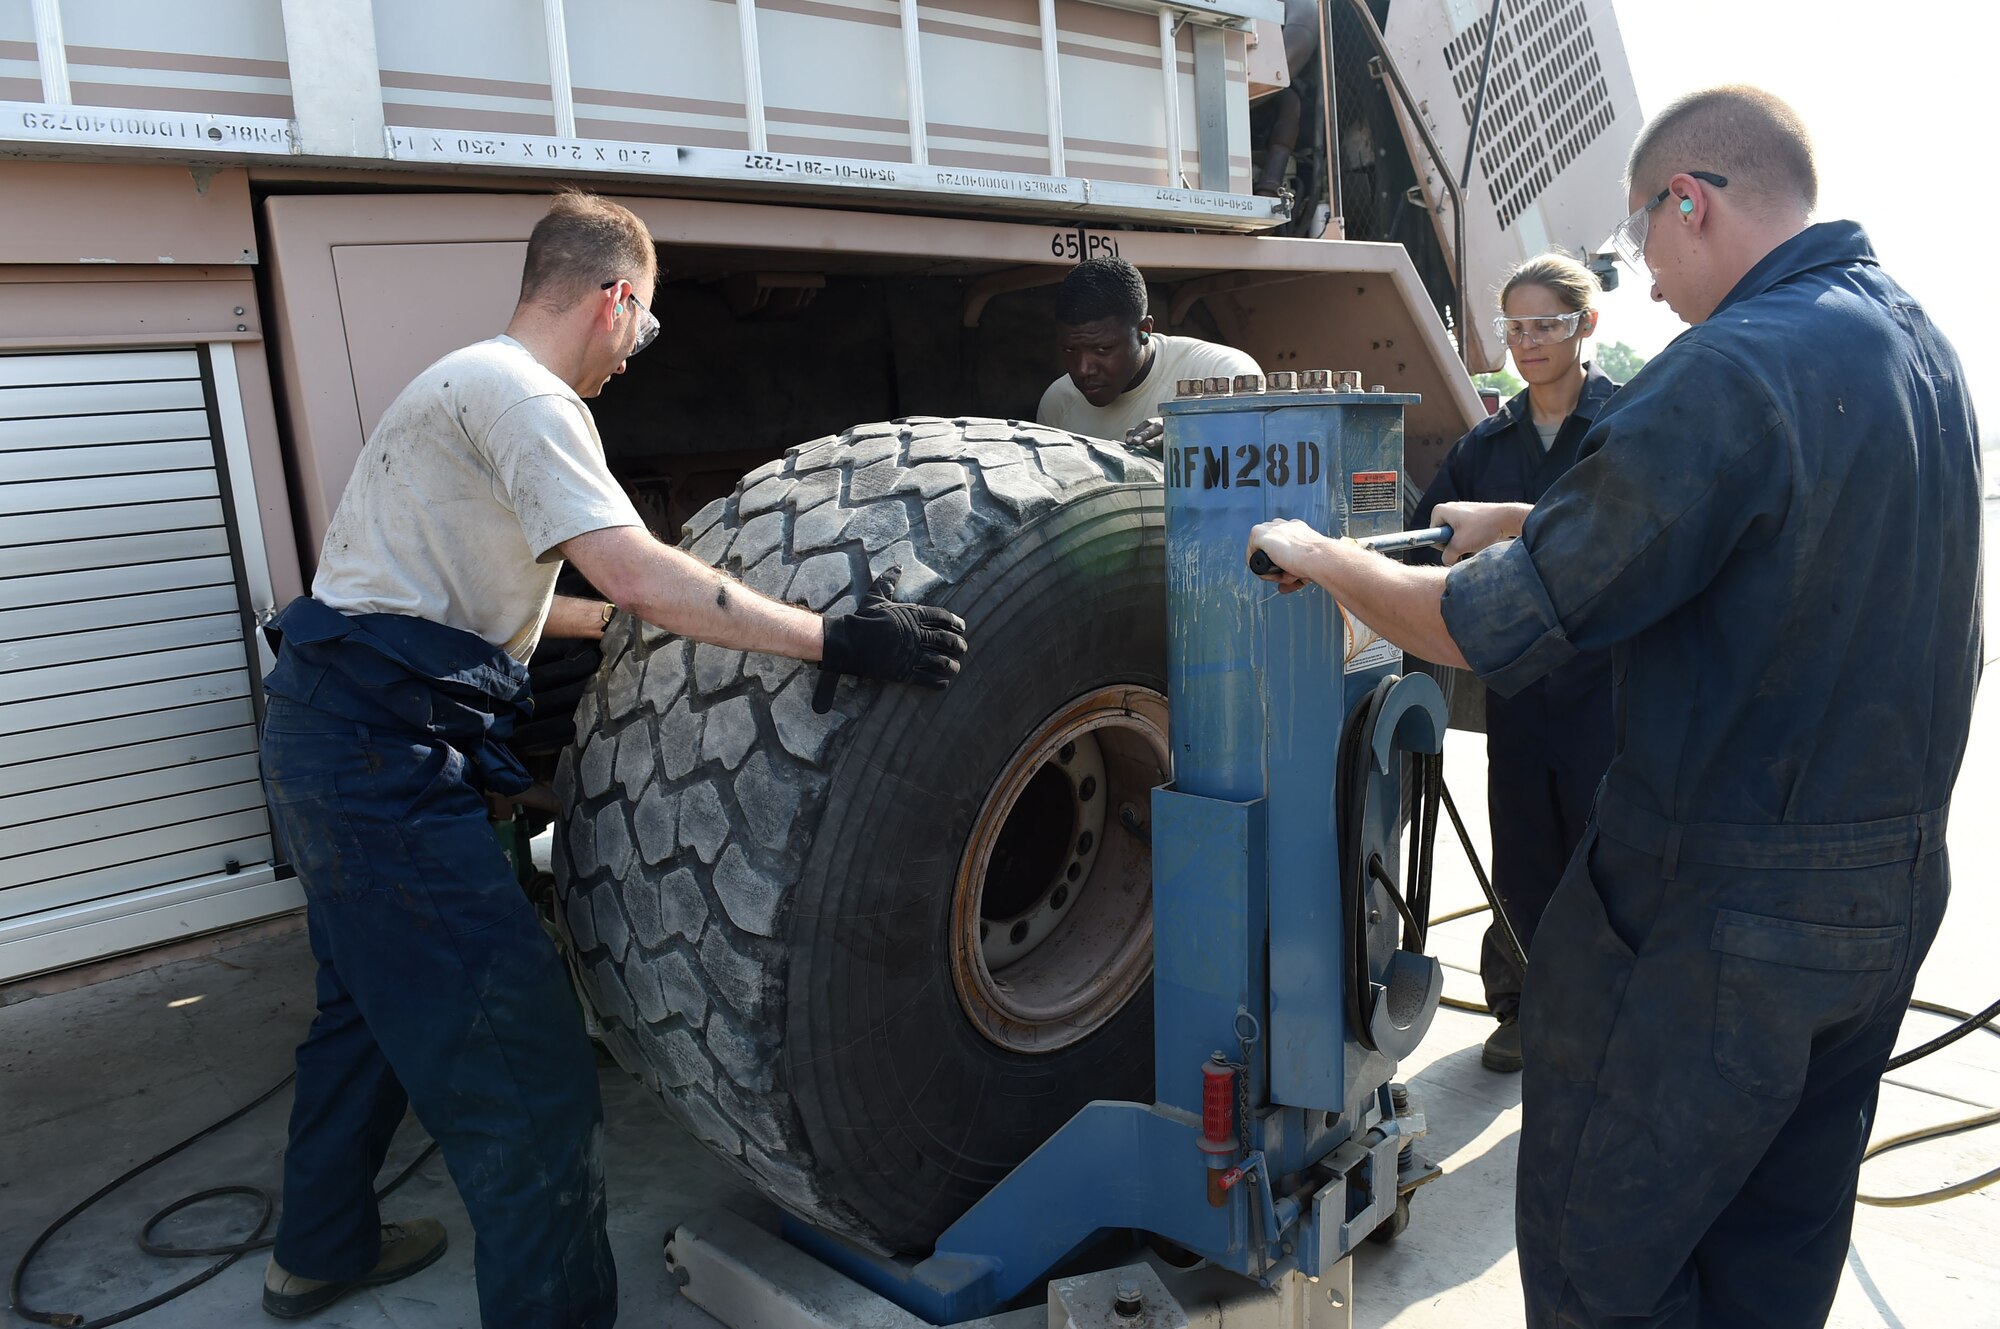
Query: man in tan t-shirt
(1119, 369)
(395, 684)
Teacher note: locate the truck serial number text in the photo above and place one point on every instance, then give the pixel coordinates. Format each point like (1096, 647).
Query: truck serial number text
(1245, 466)
(818, 168)
(190, 130)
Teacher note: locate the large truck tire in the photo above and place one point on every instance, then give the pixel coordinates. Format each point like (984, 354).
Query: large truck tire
(874, 958)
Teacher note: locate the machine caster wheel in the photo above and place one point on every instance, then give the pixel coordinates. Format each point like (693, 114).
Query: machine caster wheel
(1392, 1226)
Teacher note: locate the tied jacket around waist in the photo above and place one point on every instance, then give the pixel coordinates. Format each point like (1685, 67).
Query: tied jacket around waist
(391, 671)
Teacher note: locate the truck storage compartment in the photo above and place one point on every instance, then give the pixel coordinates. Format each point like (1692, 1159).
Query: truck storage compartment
(782, 325)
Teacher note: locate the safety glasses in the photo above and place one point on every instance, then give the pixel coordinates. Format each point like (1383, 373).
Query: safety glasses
(1538, 331)
(1629, 240)
(649, 327)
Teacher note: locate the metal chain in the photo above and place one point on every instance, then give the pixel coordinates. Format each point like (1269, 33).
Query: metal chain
(1245, 1038)
(1248, 1032)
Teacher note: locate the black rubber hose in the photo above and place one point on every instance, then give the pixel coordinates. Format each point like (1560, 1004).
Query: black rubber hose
(1949, 1036)
(70, 1320)
(230, 1253)
(254, 1242)
(1967, 1023)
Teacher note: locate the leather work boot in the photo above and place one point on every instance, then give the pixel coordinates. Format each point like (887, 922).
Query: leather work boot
(406, 1248)
(1503, 1047)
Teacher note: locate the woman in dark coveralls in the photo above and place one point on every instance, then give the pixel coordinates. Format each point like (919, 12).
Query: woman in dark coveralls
(1548, 745)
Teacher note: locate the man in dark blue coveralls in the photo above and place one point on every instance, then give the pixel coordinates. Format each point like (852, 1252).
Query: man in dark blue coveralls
(1775, 528)
(396, 685)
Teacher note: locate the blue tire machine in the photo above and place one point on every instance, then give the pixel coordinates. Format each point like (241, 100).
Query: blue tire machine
(1288, 973)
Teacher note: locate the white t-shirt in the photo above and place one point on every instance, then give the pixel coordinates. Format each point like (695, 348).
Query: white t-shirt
(482, 466)
(1064, 407)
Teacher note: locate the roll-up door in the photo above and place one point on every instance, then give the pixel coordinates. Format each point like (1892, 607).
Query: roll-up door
(130, 811)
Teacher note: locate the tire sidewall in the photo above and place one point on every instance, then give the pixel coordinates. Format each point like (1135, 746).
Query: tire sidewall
(876, 1033)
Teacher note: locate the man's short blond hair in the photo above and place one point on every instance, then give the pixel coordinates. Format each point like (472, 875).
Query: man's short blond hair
(1744, 134)
(583, 242)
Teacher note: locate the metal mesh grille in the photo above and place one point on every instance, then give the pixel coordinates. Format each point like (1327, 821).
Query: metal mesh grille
(1358, 101)
(1376, 173)
(1546, 97)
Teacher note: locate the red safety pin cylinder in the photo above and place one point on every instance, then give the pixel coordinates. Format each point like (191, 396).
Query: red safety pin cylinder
(1218, 1123)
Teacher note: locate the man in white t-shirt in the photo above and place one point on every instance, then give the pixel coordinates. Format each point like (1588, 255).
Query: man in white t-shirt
(396, 683)
(421, 528)
(1119, 369)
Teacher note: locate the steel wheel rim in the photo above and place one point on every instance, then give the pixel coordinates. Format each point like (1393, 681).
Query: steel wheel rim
(1088, 945)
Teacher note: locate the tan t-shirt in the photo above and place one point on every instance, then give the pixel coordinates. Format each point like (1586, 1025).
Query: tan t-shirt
(1064, 407)
(482, 466)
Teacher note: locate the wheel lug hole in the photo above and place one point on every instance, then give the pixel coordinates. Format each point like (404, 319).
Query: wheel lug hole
(1059, 897)
(1088, 789)
(1075, 871)
(1084, 842)
(1068, 754)
(1018, 933)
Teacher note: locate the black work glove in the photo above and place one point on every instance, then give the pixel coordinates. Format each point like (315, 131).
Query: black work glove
(558, 674)
(902, 643)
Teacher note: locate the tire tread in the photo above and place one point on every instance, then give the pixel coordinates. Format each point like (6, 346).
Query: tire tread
(693, 791)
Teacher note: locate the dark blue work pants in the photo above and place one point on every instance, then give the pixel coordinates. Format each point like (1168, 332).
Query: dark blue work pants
(1544, 761)
(1704, 1043)
(435, 981)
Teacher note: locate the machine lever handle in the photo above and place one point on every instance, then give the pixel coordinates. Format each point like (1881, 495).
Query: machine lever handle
(1397, 541)
(1393, 543)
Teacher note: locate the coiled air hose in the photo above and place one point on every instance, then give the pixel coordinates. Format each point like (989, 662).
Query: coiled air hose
(230, 1252)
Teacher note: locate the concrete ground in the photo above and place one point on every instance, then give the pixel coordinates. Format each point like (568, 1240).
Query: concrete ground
(94, 1078)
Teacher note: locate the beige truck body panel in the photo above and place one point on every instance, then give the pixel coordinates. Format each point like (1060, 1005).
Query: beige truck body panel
(1129, 108)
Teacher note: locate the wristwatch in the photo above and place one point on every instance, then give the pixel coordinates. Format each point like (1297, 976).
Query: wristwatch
(609, 610)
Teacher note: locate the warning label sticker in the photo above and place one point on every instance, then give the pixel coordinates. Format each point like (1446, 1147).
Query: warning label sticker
(1372, 491)
(1363, 648)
